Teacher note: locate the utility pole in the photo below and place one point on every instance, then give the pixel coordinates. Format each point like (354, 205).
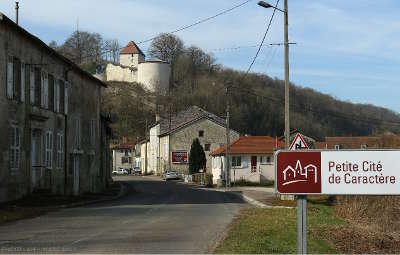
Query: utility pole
(287, 83)
(228, 143)
(16, 11)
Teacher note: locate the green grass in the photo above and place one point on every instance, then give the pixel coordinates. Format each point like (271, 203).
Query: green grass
(274, 231)
(253, 184)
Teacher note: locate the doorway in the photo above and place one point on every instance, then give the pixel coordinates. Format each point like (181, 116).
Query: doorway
(253, 164)
(76, 174)
(36, 159)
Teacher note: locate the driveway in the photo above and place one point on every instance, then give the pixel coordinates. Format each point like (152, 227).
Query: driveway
(155, 217)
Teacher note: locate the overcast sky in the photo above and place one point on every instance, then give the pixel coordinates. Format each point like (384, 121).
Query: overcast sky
(348, 49)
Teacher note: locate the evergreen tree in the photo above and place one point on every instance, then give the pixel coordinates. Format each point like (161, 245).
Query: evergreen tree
(197, 157)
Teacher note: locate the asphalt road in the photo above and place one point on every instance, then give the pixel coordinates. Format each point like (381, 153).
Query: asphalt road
(155, 217)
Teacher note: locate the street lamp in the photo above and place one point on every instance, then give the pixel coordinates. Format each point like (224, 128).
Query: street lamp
(286, 43)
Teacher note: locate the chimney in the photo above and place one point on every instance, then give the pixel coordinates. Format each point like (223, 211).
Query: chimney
(157, 117)
(16, 12)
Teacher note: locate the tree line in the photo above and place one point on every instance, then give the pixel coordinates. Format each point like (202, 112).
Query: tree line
(257, 100)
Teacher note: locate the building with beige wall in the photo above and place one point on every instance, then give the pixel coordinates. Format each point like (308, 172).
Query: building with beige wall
(171, 139)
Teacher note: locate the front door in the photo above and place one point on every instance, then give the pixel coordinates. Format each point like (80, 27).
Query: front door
(253, 164)
(35, 158)
(76, 174)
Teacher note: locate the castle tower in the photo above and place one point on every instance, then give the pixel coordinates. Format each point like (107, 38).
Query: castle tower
(131, 55)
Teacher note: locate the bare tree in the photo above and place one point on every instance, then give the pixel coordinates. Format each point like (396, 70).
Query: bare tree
(112, 47)
(167, 47)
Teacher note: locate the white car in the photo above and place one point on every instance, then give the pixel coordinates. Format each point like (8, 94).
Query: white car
(170, 175)
(120, 172)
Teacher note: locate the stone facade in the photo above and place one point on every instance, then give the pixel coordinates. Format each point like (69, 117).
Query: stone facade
(176, 136)
(50, 116)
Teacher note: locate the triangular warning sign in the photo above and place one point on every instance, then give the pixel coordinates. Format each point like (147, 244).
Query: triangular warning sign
(298, 143)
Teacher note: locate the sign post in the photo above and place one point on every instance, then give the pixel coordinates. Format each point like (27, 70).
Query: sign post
(335, 172)
(300, 144)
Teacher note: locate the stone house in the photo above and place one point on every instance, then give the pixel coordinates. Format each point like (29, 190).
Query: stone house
(171, 139)
(252, 159)
(50, 116)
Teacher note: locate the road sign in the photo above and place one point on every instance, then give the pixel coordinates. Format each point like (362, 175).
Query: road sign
(339, 172)
(298, 143)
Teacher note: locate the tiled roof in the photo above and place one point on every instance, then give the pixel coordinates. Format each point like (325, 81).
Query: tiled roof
(251, 145)
(126, 145)
(350, 142)
(132, 48)
(186, 117)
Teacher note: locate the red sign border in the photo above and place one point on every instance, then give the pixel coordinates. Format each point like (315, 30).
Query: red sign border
(302, 139)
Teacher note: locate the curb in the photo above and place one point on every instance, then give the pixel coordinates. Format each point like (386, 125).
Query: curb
(122, 192)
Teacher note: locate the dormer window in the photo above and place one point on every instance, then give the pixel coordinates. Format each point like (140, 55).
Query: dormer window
(337, 147)
(363, 146)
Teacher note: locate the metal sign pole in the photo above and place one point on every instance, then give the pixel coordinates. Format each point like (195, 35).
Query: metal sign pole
(302, 224)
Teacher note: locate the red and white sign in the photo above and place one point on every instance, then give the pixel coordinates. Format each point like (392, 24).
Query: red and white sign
(338, 172)
(179, 157)
(298, 143)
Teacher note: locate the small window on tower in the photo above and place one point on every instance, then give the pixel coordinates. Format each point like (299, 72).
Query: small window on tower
(207, 147)
(201, 133)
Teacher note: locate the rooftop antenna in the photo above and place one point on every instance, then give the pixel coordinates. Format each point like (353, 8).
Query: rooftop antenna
(16, 11)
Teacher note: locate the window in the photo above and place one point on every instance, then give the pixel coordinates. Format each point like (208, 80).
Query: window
(363, 146)
(237, 161)
(93, 132)
(60, 151)
(201, 133)
(17, 79)
(14, 148)
(126, 160)
(207, 147)
(10, 78)
(127, 153)
(49, 149)
(268, 159)
(78, 132)
(50, 99)
(337, 147)
(23, 74)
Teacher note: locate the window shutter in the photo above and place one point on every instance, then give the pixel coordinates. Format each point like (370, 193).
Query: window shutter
(66, 85)
(10, 78)
(56, 95)
(46, 90)
(32, 85)
(42, 89)
(22, 81)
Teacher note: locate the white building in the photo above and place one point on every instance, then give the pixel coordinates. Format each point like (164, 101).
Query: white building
(152, 74)
(252, 159)
(124, 155)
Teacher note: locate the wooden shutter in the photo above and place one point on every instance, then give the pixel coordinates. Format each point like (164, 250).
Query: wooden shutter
(32, 84)
(46, 90)
(22, 81)
(10, 77)
(66, 85)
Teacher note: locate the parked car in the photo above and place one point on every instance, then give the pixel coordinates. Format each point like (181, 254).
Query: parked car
(136, 170)
(120, 172)
(170, 175)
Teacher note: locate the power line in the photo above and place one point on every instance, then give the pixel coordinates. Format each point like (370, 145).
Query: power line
(200, 21)
(184, 27)
(263, 39)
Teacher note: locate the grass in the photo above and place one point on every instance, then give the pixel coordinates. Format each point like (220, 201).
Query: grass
(253, 184)
(274, 230)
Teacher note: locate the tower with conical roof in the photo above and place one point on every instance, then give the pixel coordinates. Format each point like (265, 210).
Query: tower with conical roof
(131, 55)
